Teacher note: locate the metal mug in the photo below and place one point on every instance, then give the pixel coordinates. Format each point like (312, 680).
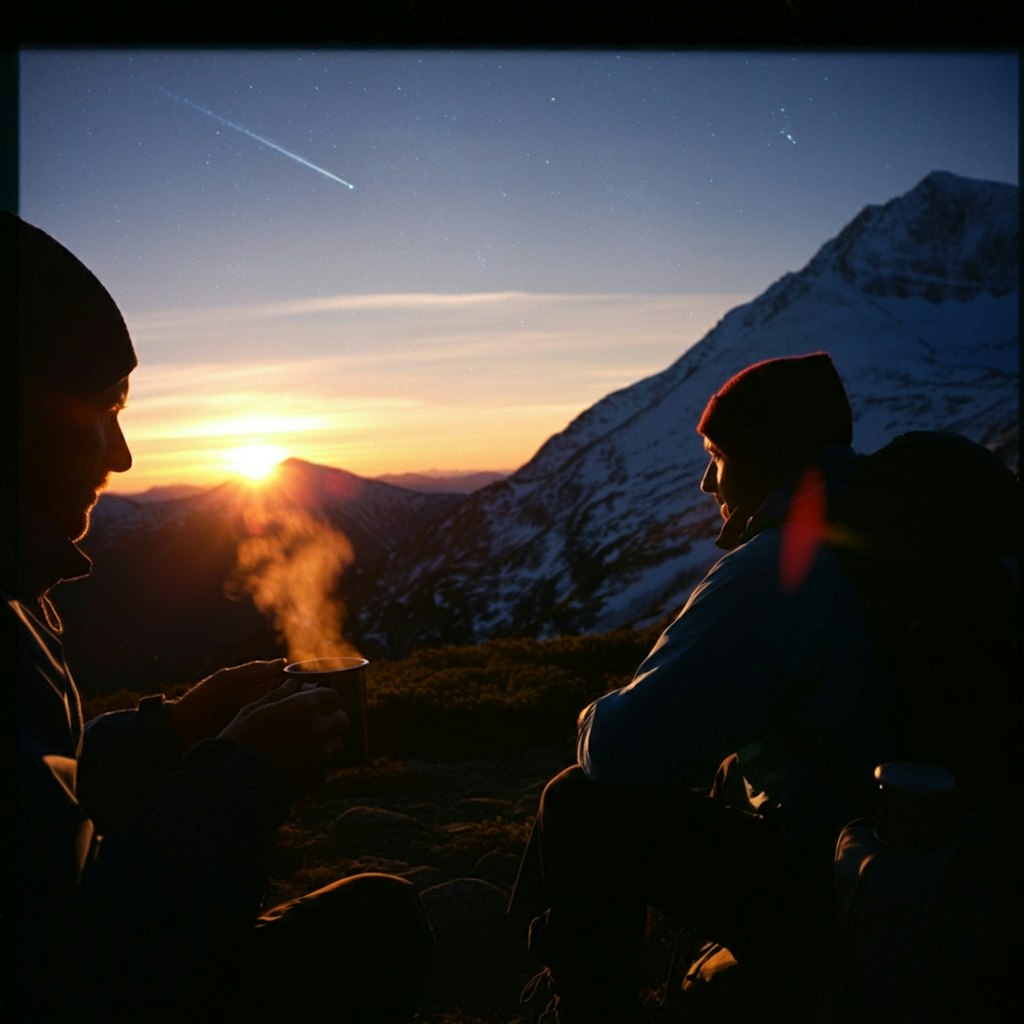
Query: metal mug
(347, 677)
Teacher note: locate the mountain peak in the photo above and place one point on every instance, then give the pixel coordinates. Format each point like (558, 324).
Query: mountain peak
(947, 238)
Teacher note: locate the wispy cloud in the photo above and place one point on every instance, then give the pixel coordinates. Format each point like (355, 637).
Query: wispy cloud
(428, 346)
(199, 317)
(382, 383)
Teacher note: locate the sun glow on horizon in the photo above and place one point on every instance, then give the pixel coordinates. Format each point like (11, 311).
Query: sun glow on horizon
(256, 461)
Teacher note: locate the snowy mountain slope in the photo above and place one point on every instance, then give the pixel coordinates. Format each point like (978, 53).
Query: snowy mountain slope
(916, 301)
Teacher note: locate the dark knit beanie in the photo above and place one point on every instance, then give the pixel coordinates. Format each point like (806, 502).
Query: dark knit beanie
(70, 334)
(779, 411)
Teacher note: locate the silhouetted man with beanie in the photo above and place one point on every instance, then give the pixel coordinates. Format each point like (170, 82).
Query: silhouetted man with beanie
(694, 791)
(141, 835)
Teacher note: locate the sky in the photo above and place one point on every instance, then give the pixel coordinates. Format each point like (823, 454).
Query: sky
(423, 260)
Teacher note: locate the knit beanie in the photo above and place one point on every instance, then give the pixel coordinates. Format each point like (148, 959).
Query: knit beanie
(779, 411)
(70, 334)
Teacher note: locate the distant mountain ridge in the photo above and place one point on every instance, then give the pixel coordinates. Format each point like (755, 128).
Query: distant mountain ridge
(440, 482)
(165, 594)
(165, 492)
(917, 302)
(437, 482)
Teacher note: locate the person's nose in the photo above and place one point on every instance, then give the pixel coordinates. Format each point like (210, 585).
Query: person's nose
(709, 482)
(119, 455)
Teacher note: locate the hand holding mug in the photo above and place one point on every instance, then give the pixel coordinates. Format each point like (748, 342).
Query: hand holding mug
(301, 731)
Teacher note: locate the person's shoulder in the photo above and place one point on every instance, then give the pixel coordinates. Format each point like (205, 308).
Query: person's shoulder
(746, 574)
(758, 554)
(772, 565)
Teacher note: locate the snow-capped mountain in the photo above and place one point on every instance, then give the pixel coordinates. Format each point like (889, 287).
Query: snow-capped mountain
(916, 301)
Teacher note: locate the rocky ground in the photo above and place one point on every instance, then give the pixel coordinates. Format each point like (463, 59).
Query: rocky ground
(457, 831)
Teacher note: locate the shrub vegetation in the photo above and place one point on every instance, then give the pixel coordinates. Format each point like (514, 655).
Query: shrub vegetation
(494, 699)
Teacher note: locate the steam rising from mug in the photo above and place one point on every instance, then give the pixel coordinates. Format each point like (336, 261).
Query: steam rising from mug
(290, 564)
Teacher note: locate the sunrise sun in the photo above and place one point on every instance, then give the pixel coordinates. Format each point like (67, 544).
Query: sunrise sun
(256, 461)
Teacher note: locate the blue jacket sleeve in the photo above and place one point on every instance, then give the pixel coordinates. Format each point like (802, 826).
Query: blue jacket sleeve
(706, 687)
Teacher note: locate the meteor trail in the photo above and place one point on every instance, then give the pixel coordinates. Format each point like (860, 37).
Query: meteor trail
(258, 138)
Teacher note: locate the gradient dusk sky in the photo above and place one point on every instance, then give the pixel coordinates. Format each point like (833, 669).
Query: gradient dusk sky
(414, 260)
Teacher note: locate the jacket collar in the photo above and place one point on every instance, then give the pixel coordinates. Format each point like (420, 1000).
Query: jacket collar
(836, 463)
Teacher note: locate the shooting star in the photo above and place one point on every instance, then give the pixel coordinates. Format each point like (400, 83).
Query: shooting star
(259, 138)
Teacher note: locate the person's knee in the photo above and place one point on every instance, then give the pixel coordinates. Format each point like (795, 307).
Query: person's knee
(387, 904)
(572, 799)
(364, 943)
(360, 908)
(377, 890)
(562, 791)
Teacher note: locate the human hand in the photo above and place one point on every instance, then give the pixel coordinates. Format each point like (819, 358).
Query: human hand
(298, 730)
(211, 704)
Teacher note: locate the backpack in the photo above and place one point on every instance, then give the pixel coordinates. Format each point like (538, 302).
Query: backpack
(916, 940)
(929, 532)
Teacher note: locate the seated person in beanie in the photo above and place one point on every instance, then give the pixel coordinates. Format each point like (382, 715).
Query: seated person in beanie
(714, 784)
(141, 835)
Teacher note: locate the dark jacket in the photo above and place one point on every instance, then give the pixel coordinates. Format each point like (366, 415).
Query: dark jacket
(134, 855)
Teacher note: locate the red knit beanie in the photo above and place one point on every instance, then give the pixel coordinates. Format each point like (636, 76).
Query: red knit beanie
(779, 411)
